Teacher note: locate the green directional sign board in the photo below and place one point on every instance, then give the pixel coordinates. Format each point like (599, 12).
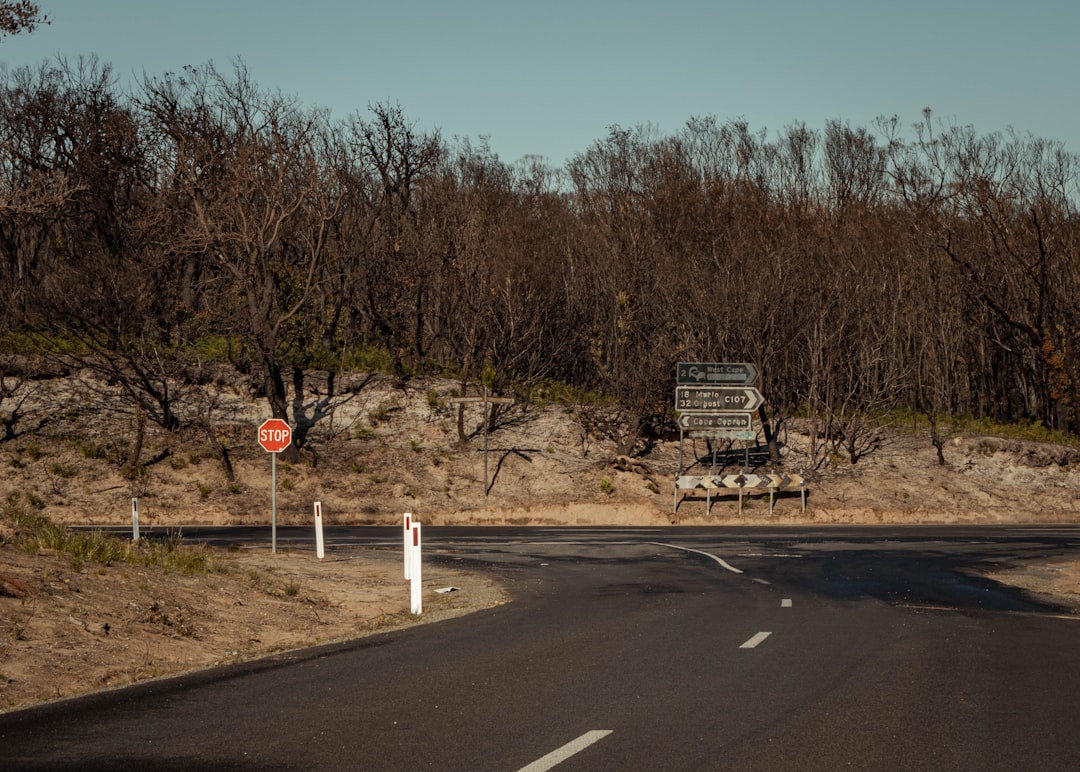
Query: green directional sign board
(724, 434)
(717, 399)
(716, 373)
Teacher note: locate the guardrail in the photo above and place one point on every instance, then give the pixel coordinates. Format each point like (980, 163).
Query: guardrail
(771, 483)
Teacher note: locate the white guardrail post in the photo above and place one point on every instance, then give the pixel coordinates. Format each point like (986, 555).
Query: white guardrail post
(134, 519)
(320, 545)
(415, 572)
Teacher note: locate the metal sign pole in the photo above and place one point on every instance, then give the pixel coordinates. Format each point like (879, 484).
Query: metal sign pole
(675, 496)
(273, 502)
(487, 401)
(708, 501)
(485, 442)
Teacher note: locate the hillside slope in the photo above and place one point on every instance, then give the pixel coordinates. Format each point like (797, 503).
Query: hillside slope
(383, 451)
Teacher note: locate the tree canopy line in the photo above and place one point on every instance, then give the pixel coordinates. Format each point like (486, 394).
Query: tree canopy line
(20, 16)
(922, 268)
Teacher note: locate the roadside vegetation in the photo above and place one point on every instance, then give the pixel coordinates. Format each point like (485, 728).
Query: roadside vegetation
(33, 532)
(200, 231)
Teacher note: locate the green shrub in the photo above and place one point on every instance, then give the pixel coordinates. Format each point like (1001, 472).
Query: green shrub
(133, 472)
(380, 413)
(62, 471)
(986, 448)
(90, 450)
(368, 358)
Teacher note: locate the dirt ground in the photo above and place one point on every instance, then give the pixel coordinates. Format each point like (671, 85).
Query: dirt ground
(68, 628)
(67, 632)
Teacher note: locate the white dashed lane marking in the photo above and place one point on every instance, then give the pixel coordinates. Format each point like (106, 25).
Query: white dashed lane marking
(755, 641)
(559, 755)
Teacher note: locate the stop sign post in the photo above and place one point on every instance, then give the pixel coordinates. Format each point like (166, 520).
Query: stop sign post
(274, 436)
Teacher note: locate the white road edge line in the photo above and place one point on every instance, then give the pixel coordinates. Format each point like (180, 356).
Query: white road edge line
(753, 642)
(721, 561)
(562, 754)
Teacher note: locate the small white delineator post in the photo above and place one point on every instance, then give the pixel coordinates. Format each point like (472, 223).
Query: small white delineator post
(134, 519)
(415, 572)
(407, 542)
(319, 545)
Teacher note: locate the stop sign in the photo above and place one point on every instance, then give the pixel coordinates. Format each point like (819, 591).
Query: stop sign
(274, 435)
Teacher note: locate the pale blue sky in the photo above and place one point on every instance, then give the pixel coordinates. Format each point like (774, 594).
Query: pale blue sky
(547, 77)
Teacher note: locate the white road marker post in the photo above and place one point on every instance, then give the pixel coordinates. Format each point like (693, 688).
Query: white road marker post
(320, 549)
(134, 519)
(407, 543)
(416, 591)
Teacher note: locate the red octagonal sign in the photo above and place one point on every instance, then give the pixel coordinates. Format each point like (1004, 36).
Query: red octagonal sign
(274, 435)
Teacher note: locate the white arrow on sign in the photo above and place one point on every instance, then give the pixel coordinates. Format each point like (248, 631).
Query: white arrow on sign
(731, 373)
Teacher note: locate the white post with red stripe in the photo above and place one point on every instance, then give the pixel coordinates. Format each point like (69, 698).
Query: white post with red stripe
(415, 571)
(407, 542)
(320, 546)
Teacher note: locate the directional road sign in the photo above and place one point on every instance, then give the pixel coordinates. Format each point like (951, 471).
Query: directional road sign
(715, 420)
(724, 434)
(717, 373)
(717, 399)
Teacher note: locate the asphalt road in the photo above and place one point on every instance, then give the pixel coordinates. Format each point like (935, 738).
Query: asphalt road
(635, 649)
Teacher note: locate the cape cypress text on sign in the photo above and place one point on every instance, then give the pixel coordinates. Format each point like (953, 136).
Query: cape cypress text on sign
(719, 420)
